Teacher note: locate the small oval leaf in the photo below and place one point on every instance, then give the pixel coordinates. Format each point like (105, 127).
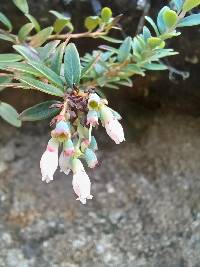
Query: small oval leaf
(24, 31)
(41, 37)
(72, 65)
(106, 14)
(124, 49)
(91, 22)
(170, 18)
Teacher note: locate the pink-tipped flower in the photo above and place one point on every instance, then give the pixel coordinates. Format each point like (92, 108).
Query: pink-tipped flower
(106, 115)
(115, 131)
(64, 163)
(68, 148)
(49, 161)
(90, 158)
(62, 131)
(84, 144)
(81, 182)
(93, 144)
(92, 117)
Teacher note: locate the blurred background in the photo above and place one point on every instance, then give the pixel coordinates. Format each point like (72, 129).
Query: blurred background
(146, 206)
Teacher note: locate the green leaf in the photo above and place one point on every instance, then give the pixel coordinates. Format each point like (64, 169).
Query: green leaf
(5, 21)
(154, 66)
(58, 15)
(45, 52)
(146, 33)
(170, 18)
(22, 5)
(88, 67)
(41, 86)
(91, 22)
(190, 21)
(124, 49)
(106, 14)
(34, 22)
(160, 21)
(133, 69)
(40, 111)
(9, 114)
(41, 37)
(21, 67)
(10, 57)
(57, 58)
(4, 80)
(72, 65)
(27, 52)
(190, 4)
(178, 4)
(47, 73)
(154, 42)
(152, 23)
(7, 37)
(61, 22)
(110, 39)
(24, 31)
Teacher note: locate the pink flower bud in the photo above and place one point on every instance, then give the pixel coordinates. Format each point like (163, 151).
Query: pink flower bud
(68, 148)
(49, 161)
(81, 182)
(115, 131)
(90, 158)
(92, 117)
(62, 131)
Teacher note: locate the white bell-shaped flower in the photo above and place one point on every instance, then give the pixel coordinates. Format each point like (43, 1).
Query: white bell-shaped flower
(115, 131)
(64, 163)
(81, 182)
(49, 160)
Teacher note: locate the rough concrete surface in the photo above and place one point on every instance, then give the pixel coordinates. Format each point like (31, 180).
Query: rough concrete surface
(145, 211)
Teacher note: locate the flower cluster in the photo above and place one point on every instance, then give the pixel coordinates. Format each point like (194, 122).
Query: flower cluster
(81, 112)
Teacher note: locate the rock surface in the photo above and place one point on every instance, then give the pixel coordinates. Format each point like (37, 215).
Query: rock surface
(145, 211)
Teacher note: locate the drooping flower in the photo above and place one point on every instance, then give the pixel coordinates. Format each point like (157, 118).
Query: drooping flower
(92, 117)
(49, 160)
(64, 163)
(90, 158)
(62, 131)
(115, 131)
(106, 114)
(81, 182)
(93, 101)
(110, 121)
(93, 144)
